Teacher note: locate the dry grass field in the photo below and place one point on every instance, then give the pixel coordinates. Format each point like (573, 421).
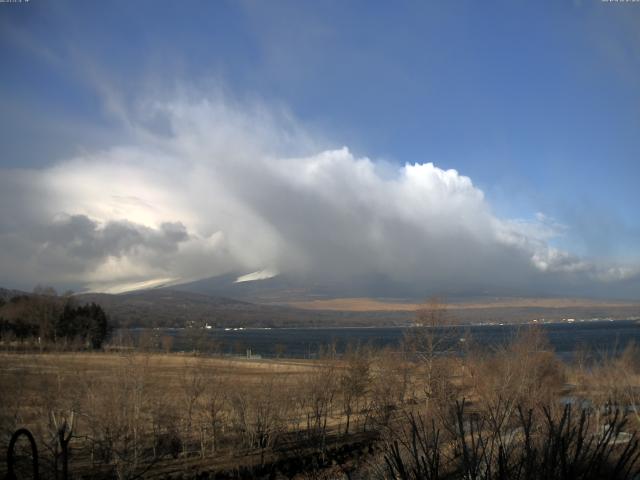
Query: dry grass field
(373, 305)
(167, 413)
(138, 414)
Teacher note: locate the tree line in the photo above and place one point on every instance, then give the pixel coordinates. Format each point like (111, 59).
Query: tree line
(51, 319)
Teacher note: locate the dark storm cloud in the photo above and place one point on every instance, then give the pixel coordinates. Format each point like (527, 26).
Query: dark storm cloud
(84, 238)
(239, 188)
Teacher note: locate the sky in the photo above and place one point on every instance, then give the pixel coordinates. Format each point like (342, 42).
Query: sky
(472, 147)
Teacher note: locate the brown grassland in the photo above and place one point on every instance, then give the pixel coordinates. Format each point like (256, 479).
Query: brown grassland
(416, 412)
(363, 304)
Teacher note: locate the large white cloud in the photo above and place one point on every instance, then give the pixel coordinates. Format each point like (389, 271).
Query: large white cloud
(210, 187)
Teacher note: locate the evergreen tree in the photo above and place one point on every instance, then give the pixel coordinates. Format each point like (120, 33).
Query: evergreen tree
(86, 322)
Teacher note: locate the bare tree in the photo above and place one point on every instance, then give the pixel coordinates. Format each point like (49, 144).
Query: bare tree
(525, 372)
(354, 380)
(167, 343)
(214, 411)
(192, 386)
(320, 388)
(431, 339)
(391, 384)
(117, 417)
(258, 413)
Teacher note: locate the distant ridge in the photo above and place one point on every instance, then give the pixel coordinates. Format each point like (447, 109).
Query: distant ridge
(6, 294)
(278, 302)
(175, 308)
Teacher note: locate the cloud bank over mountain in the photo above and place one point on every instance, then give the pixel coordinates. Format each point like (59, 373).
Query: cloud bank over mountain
(208, 186)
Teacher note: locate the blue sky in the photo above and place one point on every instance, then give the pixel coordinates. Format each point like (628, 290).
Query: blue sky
(536, 102)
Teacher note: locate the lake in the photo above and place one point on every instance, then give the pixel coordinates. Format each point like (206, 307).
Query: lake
(565, 338)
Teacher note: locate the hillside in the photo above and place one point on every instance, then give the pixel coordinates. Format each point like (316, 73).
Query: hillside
(169, 308)
(6, 294)
(175, 308)
(283, 289)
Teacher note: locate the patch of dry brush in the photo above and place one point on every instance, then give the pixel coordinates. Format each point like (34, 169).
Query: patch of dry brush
(416, 412)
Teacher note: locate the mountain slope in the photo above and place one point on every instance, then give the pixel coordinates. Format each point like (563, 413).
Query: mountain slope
(173, 308)
(283, 289)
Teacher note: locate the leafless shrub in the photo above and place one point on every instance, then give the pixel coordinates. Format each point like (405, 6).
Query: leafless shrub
(258, 413)
(354, 381)
(544, 446)
(525, 372)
